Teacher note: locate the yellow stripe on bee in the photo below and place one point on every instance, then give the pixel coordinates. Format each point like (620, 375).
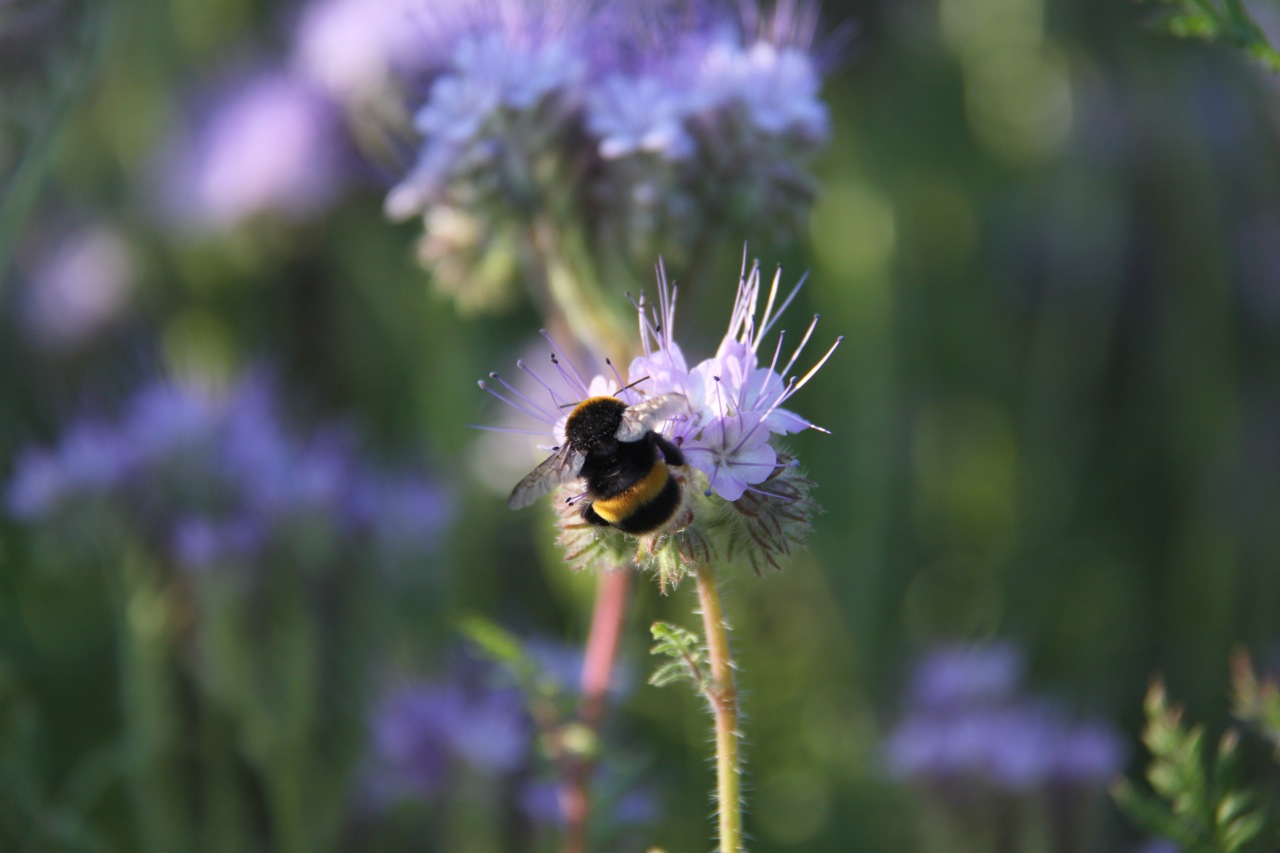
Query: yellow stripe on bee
(637, 494)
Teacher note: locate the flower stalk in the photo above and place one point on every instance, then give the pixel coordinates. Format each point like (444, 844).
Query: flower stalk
(722, 693)
(613, 593)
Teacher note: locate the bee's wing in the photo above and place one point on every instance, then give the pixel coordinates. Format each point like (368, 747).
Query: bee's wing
(644, 416)
(561, 467)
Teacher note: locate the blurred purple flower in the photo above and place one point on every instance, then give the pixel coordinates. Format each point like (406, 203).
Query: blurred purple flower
(211, 478)
(421, 733)
(270, 145)
(90, 461)
(957, 676)
(647, 116)
(968, 725)
(540, 804)
(393, 507)
(199, 542)
(79, 287)
(351, 48)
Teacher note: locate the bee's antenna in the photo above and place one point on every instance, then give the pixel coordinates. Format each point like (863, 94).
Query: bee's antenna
(632, 385)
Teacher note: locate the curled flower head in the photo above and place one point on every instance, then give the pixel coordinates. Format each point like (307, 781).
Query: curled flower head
(643, 120)
(714, 431)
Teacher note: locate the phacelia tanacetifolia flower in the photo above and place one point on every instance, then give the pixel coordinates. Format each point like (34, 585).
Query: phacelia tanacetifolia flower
(636, 122)
(712, 430)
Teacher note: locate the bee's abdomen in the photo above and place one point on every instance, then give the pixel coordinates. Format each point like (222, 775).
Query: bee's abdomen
(645, 505)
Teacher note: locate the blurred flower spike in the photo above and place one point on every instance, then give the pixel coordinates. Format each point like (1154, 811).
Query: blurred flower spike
(637, 123)
(979, 750)
(743, 495)
(207, 479)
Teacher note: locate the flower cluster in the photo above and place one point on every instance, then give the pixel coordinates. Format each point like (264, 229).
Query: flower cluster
(427, 736)
(646, 122)
(210, 479)
(973, 743)
(743, 494)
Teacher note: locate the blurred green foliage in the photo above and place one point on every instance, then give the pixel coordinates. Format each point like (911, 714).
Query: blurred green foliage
(1051, 235)
(1206, 807)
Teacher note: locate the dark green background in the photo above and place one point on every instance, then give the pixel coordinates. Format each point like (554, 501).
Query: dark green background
(1051, 237)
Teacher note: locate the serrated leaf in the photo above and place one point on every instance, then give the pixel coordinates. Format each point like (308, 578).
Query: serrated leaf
(1241, 831)
(1232, 806)
(687, 653)
(1149, 813)
(669, 673)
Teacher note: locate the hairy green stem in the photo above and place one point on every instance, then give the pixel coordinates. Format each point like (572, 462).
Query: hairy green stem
(722, 693)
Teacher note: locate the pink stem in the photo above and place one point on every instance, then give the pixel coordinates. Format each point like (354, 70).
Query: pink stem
(607, 619)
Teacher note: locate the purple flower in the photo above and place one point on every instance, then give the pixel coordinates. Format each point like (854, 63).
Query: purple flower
(198, 543)
(964, 676)
(540, 803)
(1092, 754)
(271, 145)
(90, 462)
(351, 48)
(969, 726)
(210, 478)
(636, 117)
(491, 76)
(405, 514)
(423, 732)
(81, 286)
(734, 403)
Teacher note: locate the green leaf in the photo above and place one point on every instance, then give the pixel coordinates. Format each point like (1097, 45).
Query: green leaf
(1241, 831)
(496, 642)
(1191, 26)
(688, 655)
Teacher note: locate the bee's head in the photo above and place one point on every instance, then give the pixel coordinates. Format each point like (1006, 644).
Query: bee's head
(594, 422)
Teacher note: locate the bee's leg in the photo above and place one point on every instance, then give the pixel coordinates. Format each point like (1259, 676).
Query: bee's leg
(590, 515)
(670, 452)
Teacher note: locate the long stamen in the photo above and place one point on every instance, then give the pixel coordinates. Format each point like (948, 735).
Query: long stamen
(539, 433)
(556, 398)
(648, 330)
(766, 318)
(785, 304)
(743, 307)
(519, 395)
(813, 324)
(512, 403)
(561, 360)
(622, 386)
(821, 362)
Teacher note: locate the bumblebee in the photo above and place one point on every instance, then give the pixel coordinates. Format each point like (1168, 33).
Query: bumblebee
(614, 450)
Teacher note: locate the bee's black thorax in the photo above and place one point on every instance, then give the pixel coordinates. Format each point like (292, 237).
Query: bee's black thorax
(594, 422)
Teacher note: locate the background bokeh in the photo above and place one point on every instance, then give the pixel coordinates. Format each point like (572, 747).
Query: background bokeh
(1049, 233)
